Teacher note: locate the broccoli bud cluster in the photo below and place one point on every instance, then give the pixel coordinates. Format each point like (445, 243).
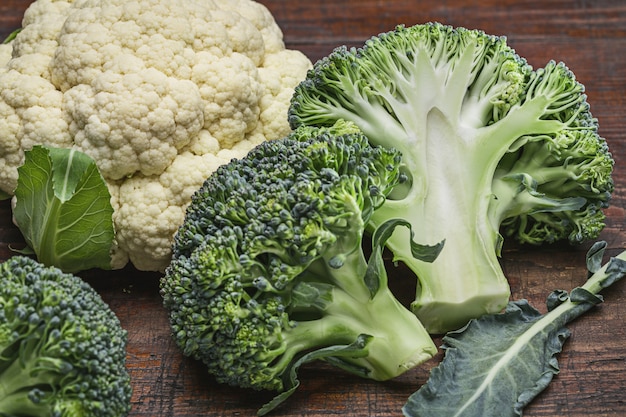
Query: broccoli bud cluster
(62, 349)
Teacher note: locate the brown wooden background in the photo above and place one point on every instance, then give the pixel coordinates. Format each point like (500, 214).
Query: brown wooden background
(590, 37)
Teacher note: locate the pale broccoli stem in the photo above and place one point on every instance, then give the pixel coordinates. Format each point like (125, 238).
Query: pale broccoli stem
(399, 341)
(452, 198)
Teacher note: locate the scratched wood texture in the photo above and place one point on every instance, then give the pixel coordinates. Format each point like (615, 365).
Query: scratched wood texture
(590, 37)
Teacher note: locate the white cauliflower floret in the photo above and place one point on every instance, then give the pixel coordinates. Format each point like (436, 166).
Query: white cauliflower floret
(6, 53)
(261, 18)
(39, 107)
(160, 93)
(161, 115)
(279, 69)
(41, 23)
(231, 90)
(152, 208)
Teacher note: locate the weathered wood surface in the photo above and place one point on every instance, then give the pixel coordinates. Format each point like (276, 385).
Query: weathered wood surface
(590, 37)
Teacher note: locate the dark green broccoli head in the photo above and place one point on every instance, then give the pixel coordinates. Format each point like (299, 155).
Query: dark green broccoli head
(268, 263)
(279, 196)
(62, 350)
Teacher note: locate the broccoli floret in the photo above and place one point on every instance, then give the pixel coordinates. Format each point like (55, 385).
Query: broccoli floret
(269, 271)
(492, 149)
(62, 350)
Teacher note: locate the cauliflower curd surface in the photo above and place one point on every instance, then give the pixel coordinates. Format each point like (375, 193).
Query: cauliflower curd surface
(160, 93)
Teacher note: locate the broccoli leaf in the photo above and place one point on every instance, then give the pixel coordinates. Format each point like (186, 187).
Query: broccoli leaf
(63, 209)
(497, 364)
(376, 263)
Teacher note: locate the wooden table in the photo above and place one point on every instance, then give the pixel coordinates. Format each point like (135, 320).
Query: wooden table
(590, 37)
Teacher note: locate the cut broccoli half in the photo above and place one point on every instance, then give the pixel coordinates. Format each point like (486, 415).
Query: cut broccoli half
(268, 268)
(491, 147)
(62, 349)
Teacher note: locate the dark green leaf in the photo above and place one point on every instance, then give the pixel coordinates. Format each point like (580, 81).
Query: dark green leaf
(376, 267)
(498, 363)
(594, 256)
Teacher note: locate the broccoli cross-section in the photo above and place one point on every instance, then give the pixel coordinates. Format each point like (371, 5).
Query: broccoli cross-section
(269, 267)
(492, 149)
(62, 349)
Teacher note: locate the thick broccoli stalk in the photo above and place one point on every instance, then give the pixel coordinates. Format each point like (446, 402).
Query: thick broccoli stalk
(62, 350)
(269, 269)
(489, 145)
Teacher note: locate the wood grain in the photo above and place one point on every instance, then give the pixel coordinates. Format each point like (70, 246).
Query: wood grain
(590, 37)
(11, 12)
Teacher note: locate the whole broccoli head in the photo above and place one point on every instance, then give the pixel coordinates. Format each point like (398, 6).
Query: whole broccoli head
(269, 271)
(490, 146)
(62, 350)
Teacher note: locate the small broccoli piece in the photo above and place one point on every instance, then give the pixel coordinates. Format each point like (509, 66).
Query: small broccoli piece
(492, 149)
(62, 350)
(268, 265)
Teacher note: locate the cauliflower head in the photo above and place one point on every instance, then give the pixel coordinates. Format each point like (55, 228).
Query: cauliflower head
(159, 93)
